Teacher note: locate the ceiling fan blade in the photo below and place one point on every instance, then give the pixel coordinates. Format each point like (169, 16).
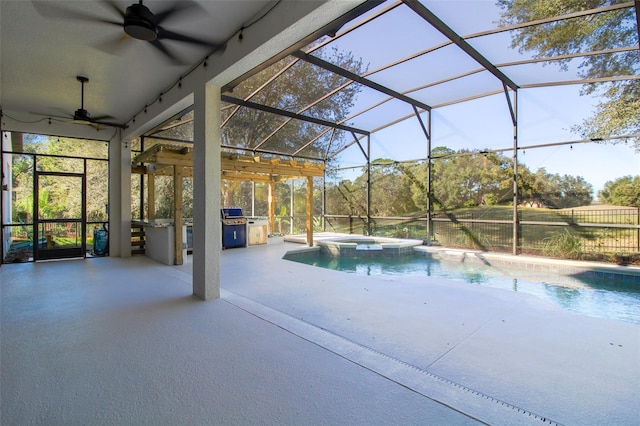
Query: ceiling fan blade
(162, 48)
(115, 45)
(66, 118)
(94, 123)
(51, 10)
(85, 123)
(106, 21)
(178, 8)
(105, 123)
(54, 112)
(170, 35)
(113, 6)
(102, 118)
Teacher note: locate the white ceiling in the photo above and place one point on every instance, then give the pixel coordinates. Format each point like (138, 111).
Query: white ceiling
(45, 45)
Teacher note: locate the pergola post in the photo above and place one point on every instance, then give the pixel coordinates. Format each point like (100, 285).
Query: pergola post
(309, 211)
(177, 216)
(253, 198)
(292, 204)
(324, 202)
(271, 206)
(151, 196)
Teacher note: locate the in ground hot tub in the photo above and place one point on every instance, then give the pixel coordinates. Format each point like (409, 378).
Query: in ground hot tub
(362, 246)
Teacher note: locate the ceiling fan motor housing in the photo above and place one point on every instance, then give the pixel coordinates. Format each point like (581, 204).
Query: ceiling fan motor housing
(138, 23)
(82, 115)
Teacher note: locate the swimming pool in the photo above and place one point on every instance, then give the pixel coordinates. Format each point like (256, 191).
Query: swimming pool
(587, 295)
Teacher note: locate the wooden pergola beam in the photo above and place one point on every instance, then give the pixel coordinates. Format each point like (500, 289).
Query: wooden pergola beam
(253, 177)
(160, 160)
(174, 159)
(164, 171)
(281, 169)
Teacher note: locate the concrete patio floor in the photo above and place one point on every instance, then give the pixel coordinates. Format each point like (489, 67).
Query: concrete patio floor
(122, 341)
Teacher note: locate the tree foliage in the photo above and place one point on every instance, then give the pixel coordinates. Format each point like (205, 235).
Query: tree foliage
(59, 195)
(470, 180)
(624, 191)
(387, 178)
(617, 112)
(300, 85)
(459, 179)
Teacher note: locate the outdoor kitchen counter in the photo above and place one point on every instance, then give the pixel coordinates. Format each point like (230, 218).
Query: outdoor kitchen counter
(159, 240)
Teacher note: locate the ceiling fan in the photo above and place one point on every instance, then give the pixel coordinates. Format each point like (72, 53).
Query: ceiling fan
(82, 116)
(138, 22)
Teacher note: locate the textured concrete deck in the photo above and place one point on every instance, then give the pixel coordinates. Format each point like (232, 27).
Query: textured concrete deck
(121, 341)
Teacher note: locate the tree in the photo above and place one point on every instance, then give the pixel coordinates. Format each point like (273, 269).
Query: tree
(301, 85)
(624, 191)
(459, 179)
(470, 180)
(346, 198)
(542, 189)
(60, 195)
(390, 190)
(617, 112)
(568, 191)
(22, 187)
(532, 187)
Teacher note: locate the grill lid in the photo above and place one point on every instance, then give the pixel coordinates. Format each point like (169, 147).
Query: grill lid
(231, 212)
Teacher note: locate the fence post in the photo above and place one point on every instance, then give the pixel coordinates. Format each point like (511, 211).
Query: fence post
(513, 108)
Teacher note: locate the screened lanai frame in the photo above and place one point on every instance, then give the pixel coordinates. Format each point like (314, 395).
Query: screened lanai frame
(418, 35)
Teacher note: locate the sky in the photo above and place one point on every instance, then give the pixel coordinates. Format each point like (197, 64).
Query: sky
(545, 115)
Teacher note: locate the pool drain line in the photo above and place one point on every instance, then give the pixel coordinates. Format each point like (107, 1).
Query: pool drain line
(344, 348)
(441, 379)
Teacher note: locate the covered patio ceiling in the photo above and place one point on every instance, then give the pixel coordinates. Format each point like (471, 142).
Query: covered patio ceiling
(136, 84)
(417, 56)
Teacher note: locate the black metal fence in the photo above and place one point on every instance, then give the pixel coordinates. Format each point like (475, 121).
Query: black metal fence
(576, 232)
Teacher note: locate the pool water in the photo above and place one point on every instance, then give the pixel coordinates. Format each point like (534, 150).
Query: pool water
(597, 297)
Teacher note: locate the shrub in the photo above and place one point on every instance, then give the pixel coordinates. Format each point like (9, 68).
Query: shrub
(473, 239)
(562, 244)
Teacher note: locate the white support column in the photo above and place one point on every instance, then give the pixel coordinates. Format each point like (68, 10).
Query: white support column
(207, 233)
(119, 198)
